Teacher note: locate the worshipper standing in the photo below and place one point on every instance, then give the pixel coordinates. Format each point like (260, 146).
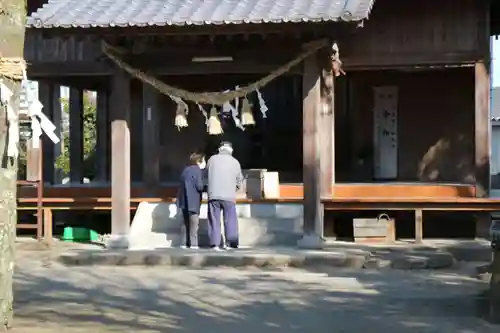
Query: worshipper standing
(224, 180)
(189, 198)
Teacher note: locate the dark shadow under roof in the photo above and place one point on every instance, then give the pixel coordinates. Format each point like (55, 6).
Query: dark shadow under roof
(143, 13)
(495, 17)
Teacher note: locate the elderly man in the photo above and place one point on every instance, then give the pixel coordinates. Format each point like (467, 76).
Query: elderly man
(224, 180)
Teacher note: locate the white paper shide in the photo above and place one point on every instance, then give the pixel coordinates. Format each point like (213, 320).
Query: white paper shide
(30, 105)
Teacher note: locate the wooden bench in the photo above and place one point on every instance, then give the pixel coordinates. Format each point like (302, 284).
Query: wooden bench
(417, 205)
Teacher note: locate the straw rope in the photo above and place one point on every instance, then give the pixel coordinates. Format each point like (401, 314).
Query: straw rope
(212, 98)
(12, 68)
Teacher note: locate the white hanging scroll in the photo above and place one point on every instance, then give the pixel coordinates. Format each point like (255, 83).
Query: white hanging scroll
(385, 132)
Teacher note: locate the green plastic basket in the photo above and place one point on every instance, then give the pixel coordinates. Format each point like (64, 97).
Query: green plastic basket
(79, 234)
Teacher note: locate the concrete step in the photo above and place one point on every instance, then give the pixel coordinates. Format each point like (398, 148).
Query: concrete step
(254, 231)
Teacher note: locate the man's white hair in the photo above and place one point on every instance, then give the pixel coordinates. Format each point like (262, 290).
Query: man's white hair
(226, 148)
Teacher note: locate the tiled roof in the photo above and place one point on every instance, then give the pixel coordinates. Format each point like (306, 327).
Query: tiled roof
(142, 13)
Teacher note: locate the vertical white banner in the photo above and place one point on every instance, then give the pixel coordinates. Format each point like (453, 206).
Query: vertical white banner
(385, 132)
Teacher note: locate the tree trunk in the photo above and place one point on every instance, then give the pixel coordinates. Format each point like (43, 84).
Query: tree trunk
(12, 21)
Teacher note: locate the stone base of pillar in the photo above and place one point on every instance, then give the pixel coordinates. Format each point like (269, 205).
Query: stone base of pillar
(117, 242)
(311, 241)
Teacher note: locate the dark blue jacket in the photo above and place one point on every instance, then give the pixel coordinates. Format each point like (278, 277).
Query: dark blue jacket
(190, 189)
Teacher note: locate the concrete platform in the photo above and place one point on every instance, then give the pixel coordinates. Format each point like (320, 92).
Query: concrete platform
(159, 225)
(261, 257)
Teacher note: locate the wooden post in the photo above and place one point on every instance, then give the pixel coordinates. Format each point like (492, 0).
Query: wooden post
(327, 127)
(120, 159)
(34, 173)
(56, 118)
(45, 91)
(150, 138)
(312, 108)
(482, 131)
(32, 161)
(47, 225)
(76, 135)
(102, 149)
(419, 226)
(327, 133)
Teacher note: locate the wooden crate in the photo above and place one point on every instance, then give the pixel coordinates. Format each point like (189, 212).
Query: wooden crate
(374, 230)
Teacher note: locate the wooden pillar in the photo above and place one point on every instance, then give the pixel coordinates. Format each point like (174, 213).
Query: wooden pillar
(33, 159)
(44, 96)
(419, 226)
(120, 159)
(327, 127)
(49, 95)
(102, 146)
(312, 109)
(327, 133)
(76, 135)
(482, 131)
(56, 118)
(150, 138)
(482, 128)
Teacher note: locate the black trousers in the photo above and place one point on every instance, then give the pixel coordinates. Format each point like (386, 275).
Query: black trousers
(191, 222)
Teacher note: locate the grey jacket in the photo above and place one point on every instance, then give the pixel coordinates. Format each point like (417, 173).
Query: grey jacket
(224, 177)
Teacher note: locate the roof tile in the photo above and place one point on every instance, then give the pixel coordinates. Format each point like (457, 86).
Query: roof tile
(109, 13)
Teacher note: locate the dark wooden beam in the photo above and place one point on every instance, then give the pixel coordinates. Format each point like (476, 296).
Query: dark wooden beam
(56, 118)
(102, 143)
(136, 131)
(408, 61)
(45, 96)
(76, 135)
(151, 137)
(313, 209)
(53, 70)
(120, 153)
(482, 128)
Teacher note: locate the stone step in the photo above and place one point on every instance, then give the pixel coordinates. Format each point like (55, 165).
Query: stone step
(268, 229)
(151, 240)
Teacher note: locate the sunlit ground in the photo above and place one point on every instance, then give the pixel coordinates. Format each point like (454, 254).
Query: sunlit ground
(53, 298)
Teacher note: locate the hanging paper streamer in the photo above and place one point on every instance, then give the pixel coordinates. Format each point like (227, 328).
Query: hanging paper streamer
(181, 112)
(12, 145)
(37, 132)
(214, 125)
(235, 112)
(262, 104)
(116, 53)
(39, 122)
(229, 108)
(204, 113)
(246, 113)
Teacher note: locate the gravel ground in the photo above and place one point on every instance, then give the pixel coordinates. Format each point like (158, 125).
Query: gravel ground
(51, 298)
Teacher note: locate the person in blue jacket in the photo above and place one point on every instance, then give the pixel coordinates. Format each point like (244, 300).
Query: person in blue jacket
(189, 197)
